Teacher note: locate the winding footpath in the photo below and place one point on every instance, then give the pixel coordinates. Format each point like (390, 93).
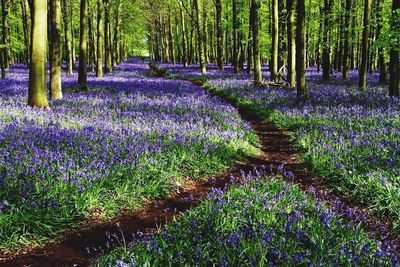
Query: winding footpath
(81, 247)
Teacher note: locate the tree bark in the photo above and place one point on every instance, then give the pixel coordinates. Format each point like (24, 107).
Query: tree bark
(300, 50)
(107, 37)
(184, 38)
(255, 9)
(55, 50)
(394, 67)
(200, 36)
(235, 37)
(82, 75)
(275, 41)
(381, 51)
(220, 35)
(5, 5)
(67, 36)
(291, 75)
(362, 82)
(27, 27)
(100, 32)
(326, 61)
(37, 96)
(346, 48)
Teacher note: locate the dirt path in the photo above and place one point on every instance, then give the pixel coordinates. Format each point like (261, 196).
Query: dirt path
(80, 248)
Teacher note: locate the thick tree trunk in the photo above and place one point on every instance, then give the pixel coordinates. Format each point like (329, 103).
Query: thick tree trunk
(220, 35)
(37, 96)
(362, 82)
(82, 75)
(300, 50)
(255, 9)
(55, 50)
(275, 41)
(100, 33)
(291, 75)
(200, 40)
(326, 61)
(394, 67)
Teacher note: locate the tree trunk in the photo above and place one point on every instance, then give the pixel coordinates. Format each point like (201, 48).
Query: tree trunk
(255, 9)
(82, 75)
(200, 37)
(27, 27)
(394, 67)
(5, 5)
(291, 75)
(326, 61)
(67, 37)
(235, 37)
(346, 48)
(107, 37)
(220, 35)
(55, 50)
(184, 39)
(100, 32)
(362, 82)
(37, 96)
(300, 50)
(275, 41)
(92, 54)
(381, 51)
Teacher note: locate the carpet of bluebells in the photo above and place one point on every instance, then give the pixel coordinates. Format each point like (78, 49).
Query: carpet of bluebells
(255, 221)
(349, 138)
(129, 138)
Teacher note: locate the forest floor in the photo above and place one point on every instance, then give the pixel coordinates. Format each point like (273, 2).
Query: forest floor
(278, 155)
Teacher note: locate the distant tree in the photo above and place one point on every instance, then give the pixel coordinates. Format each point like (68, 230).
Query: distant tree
(68, 36)
(200, 41)
(300, 50)
(55, 50)
(37, 96)
(83, 41)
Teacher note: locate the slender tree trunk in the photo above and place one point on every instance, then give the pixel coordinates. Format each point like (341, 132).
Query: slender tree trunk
(362, 82)
(37, 96)
(346, 49)
(205, 42)
(250, 65)
(55, 50)
(255, 9)
(381, 51)
(220, 35)
(291, 75)
(107, 37)
(275, 41)
(300, 50)
(27, 27)
(235, 36)
(5, 5)
(91, 46)
(100, 32)
(200, 37)
(82, 75)
(326, 61)
(184, 38)
(170, 36)
(394, 67)
(67, 37)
